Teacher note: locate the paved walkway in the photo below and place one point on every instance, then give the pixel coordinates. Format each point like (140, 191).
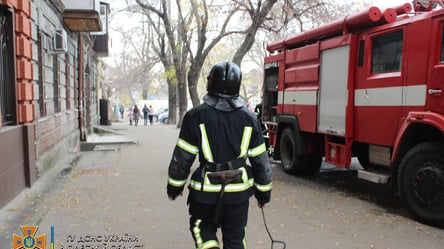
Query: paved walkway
(113, 195)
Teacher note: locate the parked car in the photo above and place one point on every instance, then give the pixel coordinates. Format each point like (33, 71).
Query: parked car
(163, 118)
(158, 112)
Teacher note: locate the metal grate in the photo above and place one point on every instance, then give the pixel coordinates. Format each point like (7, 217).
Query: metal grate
(7, 74)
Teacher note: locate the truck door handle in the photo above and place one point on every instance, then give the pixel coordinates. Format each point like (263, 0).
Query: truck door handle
(435, 92)
(365, 94)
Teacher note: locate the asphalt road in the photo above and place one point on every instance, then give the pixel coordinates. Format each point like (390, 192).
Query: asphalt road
(115, 197)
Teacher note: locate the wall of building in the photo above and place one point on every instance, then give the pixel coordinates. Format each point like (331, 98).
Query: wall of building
(55, 83)
(56, 96)
(17, 167)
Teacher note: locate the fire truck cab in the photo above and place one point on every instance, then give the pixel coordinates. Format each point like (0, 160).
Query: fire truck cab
(367, 86)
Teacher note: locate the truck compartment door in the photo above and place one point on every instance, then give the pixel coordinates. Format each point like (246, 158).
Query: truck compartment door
(333, 90)
(435, 90)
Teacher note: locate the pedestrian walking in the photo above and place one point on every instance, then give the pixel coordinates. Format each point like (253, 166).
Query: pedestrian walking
(224, 133)
(131, 115)
(151, 114)
(116, 111)
(122, 111)
(145, 111)
(136, 115)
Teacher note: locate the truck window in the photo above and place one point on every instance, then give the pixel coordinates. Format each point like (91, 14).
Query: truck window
(387, 52)
(361, 53)
(441, 58)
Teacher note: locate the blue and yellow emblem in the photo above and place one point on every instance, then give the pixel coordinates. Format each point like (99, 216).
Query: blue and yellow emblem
(29, 239)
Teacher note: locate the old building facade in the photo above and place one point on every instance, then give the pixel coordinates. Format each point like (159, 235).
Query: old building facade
(49, 79)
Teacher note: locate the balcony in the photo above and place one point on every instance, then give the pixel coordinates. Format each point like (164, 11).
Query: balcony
(82, 15)
(101, 38)
(101, 45)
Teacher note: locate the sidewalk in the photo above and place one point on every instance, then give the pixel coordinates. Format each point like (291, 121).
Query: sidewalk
(111, 195)
(114, 196)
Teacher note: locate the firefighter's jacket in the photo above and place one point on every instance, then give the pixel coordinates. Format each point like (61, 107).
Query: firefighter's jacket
(220, 130)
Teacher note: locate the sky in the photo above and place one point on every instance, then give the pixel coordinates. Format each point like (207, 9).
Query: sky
(388, 3)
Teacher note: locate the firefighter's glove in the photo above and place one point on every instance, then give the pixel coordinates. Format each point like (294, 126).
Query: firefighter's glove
(262, 197)
(173, 192)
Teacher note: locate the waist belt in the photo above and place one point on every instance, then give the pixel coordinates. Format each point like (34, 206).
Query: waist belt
(231, 165)
(224, 173)
(225, 177)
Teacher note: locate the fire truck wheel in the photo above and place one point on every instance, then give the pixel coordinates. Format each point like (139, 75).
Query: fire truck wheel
(291, 161)
(421, 182)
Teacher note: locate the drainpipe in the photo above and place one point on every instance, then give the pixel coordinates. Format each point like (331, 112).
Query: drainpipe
(81, 88)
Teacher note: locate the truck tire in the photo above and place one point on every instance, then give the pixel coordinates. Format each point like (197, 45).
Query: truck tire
(421, 182)
(294, 163)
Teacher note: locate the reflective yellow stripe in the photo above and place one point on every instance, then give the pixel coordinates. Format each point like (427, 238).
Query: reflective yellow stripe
(199, 242)
(257, 151)
(264, 188)
(244, 241)
(176, 183)
(206, 144)
(232, 187)
(244, 151)
(246, 137)
(196, 232)
(209, 244)
(187, 146)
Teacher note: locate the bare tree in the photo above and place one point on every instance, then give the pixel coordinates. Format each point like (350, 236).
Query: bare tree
(200, 13)
(159, 45)
(258, 13)
(176, 46)
(132, 69)
(293, 16)
(197, 26)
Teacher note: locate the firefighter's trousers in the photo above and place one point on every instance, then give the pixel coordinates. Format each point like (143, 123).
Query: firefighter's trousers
(233, 225)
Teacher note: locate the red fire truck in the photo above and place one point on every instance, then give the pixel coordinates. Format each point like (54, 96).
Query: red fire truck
(368, 86)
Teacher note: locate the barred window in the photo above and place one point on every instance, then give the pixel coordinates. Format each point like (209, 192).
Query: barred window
(56, 81)
(7, 74)
(40, 63)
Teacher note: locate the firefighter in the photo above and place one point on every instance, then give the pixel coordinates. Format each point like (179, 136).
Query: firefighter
(224, 133)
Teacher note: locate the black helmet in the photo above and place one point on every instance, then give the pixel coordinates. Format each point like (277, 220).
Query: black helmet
(224, 78)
